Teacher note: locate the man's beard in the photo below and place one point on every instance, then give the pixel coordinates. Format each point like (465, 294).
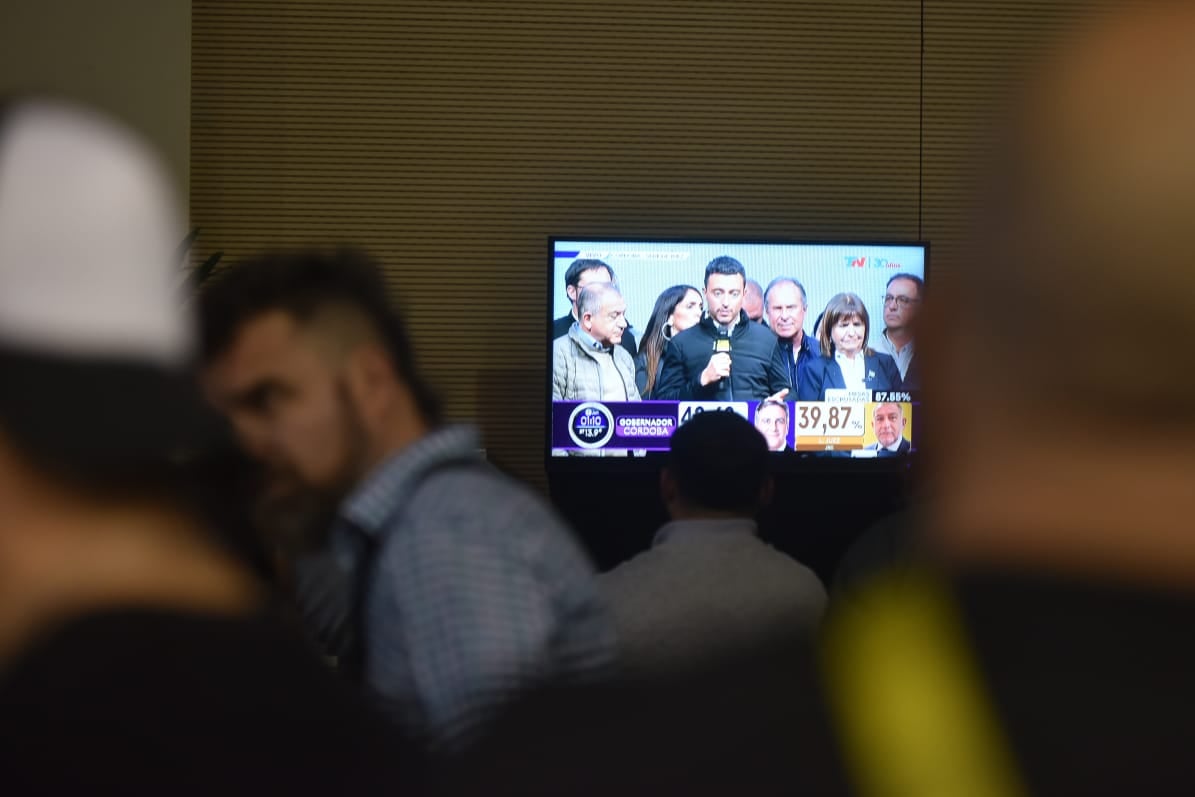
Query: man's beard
(299, 521)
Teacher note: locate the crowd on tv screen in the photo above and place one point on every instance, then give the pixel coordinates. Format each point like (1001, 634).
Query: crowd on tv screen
(717, 343)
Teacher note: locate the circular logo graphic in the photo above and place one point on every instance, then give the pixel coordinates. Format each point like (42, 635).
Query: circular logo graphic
(591, 425)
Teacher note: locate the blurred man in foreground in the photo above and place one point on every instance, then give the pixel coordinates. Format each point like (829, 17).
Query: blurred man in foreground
(1055, 655)
(136, 655)
(441, 584)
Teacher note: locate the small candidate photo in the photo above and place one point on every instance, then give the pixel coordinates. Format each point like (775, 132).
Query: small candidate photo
(889, 428)
(771, 419)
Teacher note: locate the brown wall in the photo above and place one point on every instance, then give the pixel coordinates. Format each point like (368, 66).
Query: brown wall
(451, 138)
(130, 57)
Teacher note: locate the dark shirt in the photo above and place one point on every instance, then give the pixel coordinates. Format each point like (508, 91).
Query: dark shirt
(1088, 682)
(822, 373)
(807, 352)
(145, 701)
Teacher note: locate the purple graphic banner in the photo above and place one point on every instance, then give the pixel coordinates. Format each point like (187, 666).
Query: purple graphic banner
(593, 425)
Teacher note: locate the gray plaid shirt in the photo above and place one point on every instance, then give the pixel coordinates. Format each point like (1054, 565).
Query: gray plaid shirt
(478, 590)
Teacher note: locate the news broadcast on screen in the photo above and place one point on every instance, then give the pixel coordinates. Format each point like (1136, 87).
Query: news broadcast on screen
(813, 343)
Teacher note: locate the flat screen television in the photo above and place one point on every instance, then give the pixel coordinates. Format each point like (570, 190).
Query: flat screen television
(655, 342)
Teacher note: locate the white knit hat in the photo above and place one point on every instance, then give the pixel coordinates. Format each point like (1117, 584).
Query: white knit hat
(89, 228)
(95, 342)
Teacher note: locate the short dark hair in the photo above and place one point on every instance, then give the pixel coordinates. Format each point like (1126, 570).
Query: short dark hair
(725, 265)
(720, 462)
(772, 403)
(913, 278)
(572, 277)
(302, 284)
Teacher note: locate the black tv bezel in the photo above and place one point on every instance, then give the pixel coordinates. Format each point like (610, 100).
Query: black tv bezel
(787, 462)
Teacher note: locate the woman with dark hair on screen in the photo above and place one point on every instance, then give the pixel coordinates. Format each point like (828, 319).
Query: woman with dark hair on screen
(677, 309)
(847, 361)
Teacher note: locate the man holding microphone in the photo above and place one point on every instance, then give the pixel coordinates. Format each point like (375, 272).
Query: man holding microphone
(698, 362)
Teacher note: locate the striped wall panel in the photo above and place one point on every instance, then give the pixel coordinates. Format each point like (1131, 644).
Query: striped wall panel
(451, 138)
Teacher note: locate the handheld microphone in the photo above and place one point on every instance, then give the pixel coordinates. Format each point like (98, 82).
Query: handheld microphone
(722, 342)
(722, 345)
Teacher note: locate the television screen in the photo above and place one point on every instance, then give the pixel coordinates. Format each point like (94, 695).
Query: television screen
(811, 342)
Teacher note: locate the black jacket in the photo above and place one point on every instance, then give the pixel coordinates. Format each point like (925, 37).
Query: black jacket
(806, 354)
(757, 369)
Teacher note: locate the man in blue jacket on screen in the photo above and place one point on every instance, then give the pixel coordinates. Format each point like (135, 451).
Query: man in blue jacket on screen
(725, 357)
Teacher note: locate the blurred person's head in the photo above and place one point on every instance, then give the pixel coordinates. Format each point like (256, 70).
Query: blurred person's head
(602, 313)
(753, 301)
(844, 326)
(888, 420)
(581, 273)
(717, 466)
(771, 419)
(677, 308)
(315, 370)
(95, 342)
(785, 304)
(902, 299)
(101, 421)
(1085, 226)
(725, 282)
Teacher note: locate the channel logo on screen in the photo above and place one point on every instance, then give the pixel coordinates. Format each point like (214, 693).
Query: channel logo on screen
(871, 262)
(591, 425)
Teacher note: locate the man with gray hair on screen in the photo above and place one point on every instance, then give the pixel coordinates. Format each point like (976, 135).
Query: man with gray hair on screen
(589, 363)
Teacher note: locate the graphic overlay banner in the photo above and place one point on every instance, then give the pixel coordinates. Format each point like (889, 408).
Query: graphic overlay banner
(590, 426)
(846, 424)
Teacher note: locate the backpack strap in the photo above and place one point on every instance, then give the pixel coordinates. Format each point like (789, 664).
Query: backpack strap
(352, 664)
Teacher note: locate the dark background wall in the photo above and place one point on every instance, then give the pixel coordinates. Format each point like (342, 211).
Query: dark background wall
(451, 138)
(130, 57)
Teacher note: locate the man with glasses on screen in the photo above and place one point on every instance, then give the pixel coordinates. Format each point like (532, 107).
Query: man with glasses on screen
(901, 305)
